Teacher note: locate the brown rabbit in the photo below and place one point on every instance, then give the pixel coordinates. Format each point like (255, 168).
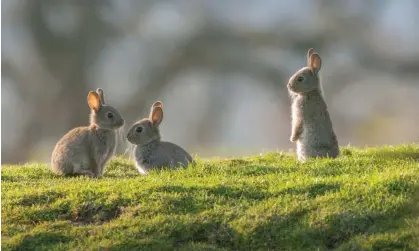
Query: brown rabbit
(86, 150)
(150, 152)
(311, 124)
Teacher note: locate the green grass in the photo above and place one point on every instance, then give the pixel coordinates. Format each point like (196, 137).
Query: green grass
(367, 199)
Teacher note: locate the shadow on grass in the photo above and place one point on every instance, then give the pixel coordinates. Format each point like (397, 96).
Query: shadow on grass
(339, 230)
(184, 205)
(47, 197)
(312, 190)
(87, 213)
(11, 178)
(278, 232)
(158, 243)
(258, 170)
(284, 232)
(252, 193)
(212, 232)
(291, 232)
(40, 215)
(221, 190)
(44, 240)
(190, 202)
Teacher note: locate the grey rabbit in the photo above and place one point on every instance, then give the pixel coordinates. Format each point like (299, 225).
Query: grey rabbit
(311, 124)
(86, 150)
(150, 152)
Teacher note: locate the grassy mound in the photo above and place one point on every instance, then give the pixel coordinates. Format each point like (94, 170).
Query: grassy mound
(364, 200)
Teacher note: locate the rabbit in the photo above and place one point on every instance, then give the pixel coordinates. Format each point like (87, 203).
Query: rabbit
(150, 152)
(86, 150)
(312, 128)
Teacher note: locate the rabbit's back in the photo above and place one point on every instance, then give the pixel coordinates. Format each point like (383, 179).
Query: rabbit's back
(317, 138)
(71, 152)
(177, 154)
(160, 155)
(83, 149)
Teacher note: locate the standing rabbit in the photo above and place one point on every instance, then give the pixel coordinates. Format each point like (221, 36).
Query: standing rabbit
(86, 150)
(311, 125)
(150, 152)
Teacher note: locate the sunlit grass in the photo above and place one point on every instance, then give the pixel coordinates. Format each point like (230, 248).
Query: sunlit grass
(367, 199)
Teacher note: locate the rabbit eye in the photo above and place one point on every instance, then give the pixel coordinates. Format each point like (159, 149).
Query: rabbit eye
(300, 79)
(109, 115)
(139, 129)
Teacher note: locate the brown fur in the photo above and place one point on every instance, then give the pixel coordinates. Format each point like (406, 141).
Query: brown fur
(86, 150)
(312, 128)
(150, 152)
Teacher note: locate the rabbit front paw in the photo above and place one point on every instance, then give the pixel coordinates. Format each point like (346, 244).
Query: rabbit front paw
(293, 138)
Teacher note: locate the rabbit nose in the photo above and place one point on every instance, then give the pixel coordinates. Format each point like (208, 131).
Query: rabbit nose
(120, 123)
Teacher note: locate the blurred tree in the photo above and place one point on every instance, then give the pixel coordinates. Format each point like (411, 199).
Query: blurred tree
(65, 43)
(67, 57)
(220, 52)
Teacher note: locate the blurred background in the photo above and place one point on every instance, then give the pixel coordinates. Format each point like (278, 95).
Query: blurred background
(220, 68)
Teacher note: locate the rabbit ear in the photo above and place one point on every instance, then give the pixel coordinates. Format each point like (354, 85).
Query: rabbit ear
(156, 115)
(309, 53)
(101, 95)
(94, 101)
(157, 104)
(315, 63)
